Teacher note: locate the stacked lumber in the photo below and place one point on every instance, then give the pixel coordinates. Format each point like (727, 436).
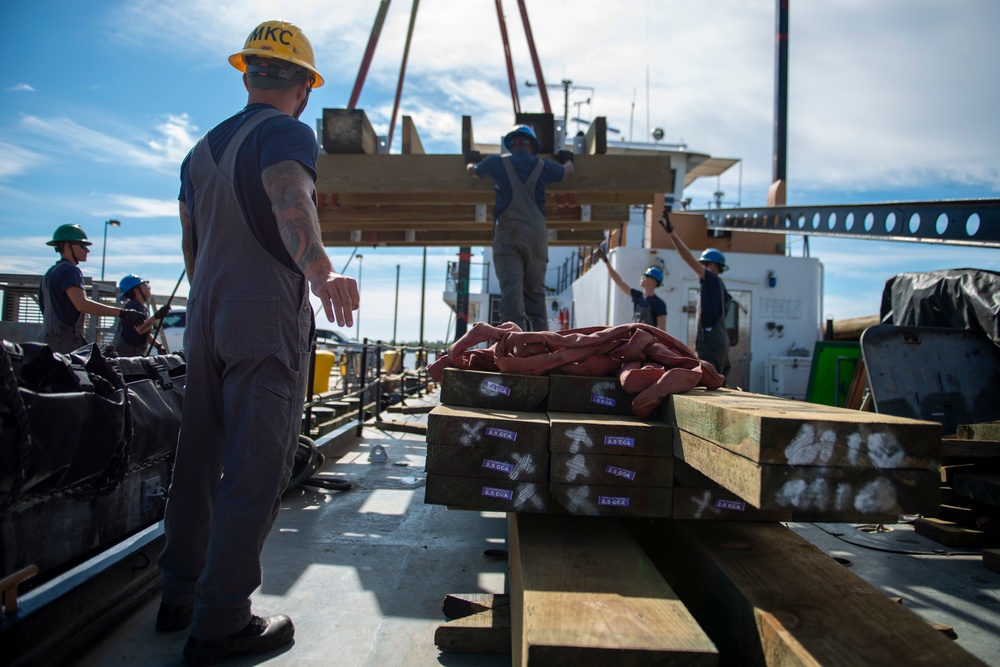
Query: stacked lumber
(969, 513)
(782, 456)
(488, 443)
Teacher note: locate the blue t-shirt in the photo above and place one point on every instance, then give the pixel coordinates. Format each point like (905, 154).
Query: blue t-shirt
(714, 300)
(524, 164)
(63, 275)
(647, 309)
(273, 141)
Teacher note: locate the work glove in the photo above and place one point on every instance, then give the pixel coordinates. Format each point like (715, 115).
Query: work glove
(602, 255)
(161, 312)
(473, 157)
(667, 225)
(564, 156)
(134, 317)
(157, 347)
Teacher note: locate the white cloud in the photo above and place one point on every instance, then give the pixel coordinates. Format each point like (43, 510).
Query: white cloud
(128, 206)
(21, 88)
(17, 160)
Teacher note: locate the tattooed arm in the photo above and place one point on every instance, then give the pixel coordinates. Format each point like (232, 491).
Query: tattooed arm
(290, 187)
(186, 247)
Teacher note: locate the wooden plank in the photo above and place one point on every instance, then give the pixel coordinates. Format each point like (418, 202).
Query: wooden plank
(594, 395)
(596, 140)
(441, 174)
(482, 195)
(951, 534)
(447, 215)
(981, 487)
(979, 431)
(717, 504)
(619, 501)
(768, 597)
(409, 238)
(607, 469)
(500, 391)
(852, 491)
(486, 630)
(960, 448)
(617, 435)
(489, 495)
(508, 430)
(348, 131)
(767, 429)
(487, 463)
(411, 140)
(583, 593)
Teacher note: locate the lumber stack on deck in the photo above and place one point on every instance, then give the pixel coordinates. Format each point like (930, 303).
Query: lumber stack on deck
(780, 455)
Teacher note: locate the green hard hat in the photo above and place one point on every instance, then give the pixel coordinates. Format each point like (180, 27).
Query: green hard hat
(65, 233)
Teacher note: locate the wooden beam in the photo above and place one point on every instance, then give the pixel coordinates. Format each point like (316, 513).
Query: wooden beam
(768, 597)
(348, 131)
(344, 216)
(596, 140)
(767, 429)
(851, 491)
(583, 593)
(484, 237)
(411, 140)
(468, 143)
(484, 196)
(445, 175)
(484, 629)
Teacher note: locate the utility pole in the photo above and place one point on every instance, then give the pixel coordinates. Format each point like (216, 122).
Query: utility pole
(395, 317)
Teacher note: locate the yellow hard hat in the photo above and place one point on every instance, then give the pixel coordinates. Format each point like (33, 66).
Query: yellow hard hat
(280, 40)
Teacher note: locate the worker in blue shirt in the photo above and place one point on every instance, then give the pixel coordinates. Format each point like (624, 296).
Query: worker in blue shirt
(648, 307)
(712, 341)
(62, 298)
(520, 238)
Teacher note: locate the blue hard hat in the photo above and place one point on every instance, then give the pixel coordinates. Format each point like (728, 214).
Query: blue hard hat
(656, 273)
(129, 282)
(714, 256)
(526, 131)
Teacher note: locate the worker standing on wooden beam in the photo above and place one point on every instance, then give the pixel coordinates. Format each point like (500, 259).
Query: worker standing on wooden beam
(712, 341)
(252, 251)
(520, 238)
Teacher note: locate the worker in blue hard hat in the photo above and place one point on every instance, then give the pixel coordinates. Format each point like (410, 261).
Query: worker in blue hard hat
(62, 298)
(131, 340)
(520, 238)
(712, 341)
(648, 307)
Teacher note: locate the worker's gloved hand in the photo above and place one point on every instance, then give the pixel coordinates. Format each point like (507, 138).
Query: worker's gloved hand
(161, 312)
(473, 157)
(667, 225)
(133, 317)
(157, 347)
(602, 255)
(564, 156)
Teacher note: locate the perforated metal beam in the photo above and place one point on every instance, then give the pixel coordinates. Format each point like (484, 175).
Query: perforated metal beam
(969, 222)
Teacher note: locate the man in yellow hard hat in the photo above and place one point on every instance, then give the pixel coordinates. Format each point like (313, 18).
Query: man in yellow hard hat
(252, 251)
(64, 301)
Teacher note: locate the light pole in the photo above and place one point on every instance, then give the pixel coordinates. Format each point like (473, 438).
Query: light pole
(395, 317)
(104, 249)
(357, 317)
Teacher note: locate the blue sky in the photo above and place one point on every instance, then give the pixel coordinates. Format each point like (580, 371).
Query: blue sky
(894, 100)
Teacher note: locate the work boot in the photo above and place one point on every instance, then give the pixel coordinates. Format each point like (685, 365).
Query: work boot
(174, 617)
(259, 635)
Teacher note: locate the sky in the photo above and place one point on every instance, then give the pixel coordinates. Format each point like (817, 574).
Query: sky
(888, 101)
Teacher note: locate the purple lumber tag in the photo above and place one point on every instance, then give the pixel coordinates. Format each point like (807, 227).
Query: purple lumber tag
(620, 472)
(737, 505)
(503, 494)
(501, 433)
(619, 441)
(499, 466)
(612, 501)
(603, 400)
(491, 387)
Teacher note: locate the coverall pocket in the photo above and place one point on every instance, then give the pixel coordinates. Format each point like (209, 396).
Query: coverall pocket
(269, 420)
(246, 326)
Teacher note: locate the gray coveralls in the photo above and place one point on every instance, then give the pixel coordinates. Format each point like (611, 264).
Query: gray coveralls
(521, 254)
(712, 343)
(58, 335)
(248, 334)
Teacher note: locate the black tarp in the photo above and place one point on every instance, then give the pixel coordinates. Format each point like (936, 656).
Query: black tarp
(957, 299)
